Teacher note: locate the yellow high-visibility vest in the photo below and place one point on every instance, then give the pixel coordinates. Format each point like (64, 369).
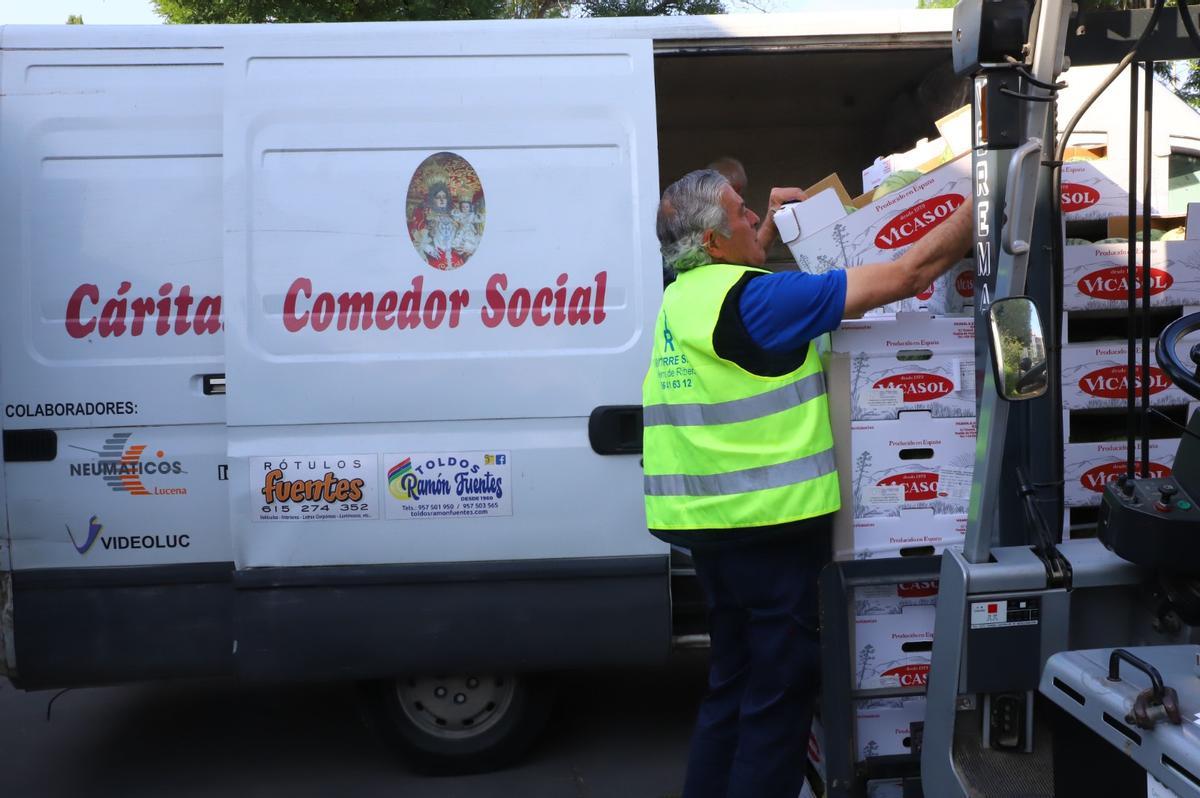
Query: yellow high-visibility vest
(724, 448)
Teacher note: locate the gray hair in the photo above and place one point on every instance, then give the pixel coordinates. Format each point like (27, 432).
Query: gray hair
(691, 205)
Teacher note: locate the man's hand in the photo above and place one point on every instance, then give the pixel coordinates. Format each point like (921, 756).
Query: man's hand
(782, 195)
(766, 230)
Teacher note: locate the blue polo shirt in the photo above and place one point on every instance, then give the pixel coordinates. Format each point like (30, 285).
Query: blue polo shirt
(783, 311)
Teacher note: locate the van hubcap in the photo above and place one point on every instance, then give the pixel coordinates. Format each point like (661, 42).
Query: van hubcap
(455, 707)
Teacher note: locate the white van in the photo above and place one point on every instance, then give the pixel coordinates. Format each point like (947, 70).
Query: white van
(321, 346)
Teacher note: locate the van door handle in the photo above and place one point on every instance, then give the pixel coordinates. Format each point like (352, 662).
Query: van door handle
(616, 429)
(212, 384)
(30, 445)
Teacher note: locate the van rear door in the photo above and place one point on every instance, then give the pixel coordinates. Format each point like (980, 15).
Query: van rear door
(439, 261)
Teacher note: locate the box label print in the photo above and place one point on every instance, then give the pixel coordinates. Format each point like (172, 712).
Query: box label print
(1088, 467)
(1088, 192)
(427, 485)
(1095, 375)
(881, 387)
(896, 465)
(321, 487)
(1096, 277)
(894, 650)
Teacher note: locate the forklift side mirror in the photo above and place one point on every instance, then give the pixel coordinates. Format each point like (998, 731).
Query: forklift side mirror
(1018, 349)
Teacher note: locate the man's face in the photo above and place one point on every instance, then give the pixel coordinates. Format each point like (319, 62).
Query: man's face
(741, 246)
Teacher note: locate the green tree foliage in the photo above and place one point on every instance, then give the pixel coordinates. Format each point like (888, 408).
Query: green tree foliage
(245, 11)
(649, 8)
(198, 12)
(74, 19)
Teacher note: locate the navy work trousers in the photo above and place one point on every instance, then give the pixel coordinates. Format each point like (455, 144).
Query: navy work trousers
(751, 735)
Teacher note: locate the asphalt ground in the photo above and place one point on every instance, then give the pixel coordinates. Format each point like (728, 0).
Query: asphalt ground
(614, 733)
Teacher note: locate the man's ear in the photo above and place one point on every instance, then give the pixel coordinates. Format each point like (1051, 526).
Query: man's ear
(709, 240)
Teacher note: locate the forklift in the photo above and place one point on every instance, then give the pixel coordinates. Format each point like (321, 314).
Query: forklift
(1058, 668)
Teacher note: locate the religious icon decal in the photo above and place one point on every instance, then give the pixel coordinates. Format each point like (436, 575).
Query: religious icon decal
(445, 210)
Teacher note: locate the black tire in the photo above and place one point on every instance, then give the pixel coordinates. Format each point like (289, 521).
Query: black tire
(453, 725)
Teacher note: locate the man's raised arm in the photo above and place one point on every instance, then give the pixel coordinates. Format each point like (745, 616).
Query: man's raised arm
(874, 284)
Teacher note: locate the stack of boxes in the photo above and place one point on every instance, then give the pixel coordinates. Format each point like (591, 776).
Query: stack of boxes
(902, 391)
(1095, 354)
(901, 384)
(893, 639)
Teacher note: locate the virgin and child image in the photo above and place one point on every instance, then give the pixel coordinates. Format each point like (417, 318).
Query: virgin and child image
(445, 210)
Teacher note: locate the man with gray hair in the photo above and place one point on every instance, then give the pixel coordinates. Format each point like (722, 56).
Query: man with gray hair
(739, 468)
(735, 173)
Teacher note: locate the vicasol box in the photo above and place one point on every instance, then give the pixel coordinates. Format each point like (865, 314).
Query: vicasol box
(883, 726)
(911, 534)
(1088, 467)
(909, 361)
(885, 788)
(893, 649)
(953, 292)
(915, 462)
(1095, 277)
(1094, 190)
(884, 229)
(1096, 375)
(816, 749)
(893, 599)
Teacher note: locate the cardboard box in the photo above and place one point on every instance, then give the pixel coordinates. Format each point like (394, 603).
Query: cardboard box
(1088, 467)
(894, 650)
(1096, 375)
(909, 361)
(816, 749)
(913, 533)
(956, 128)
(901, 332)
(893, 599)
(885, 788)
(1095, 276)
(1118, 226)
(952, 293)
(796, 220)
(882, 726)
(915, 462)
(884, 229)
(1094, 190)
(924, 157)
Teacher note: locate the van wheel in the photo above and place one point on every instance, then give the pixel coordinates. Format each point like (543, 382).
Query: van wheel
(449, 725)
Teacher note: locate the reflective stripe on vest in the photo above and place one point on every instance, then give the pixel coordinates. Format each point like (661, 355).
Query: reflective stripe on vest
(725, 448)
(752, 407)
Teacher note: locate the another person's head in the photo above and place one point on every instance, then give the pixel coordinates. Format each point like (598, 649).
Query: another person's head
(702, 220)
(734, 172)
